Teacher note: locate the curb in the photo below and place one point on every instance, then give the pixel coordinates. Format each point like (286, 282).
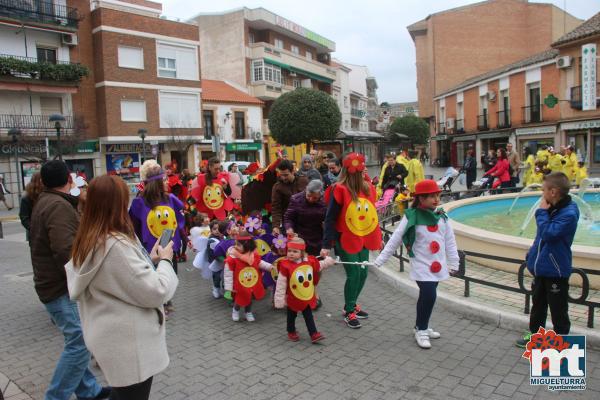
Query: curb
(478, 312)
(10, 391)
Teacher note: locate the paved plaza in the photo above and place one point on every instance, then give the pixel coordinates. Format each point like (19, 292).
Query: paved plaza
(214, 358)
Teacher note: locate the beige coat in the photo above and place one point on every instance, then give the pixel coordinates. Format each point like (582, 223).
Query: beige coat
(121, 299)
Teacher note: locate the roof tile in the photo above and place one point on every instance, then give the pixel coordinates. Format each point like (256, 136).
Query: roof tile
(221, 92)
(588, 28)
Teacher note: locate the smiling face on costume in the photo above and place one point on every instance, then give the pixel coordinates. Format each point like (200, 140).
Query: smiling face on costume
(212, 196)
(161, 218)
(361, 217)
(248, 277)
(262, 247)
(301, 282)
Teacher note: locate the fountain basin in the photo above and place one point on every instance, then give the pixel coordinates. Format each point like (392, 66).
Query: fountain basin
(502, 242)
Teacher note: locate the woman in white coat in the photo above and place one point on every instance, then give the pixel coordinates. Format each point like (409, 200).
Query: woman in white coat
(120, 291)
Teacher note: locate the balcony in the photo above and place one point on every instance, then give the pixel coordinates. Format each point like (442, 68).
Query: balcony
(441, 128)
(40, 12)
(532, 114)
(357, 113)
(503, 119)
(459, 126)
(482, 122)
(17, 67)
(292, 62)
(33, 124)
(576, 101)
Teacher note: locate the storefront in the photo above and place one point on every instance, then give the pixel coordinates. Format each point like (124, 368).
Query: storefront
(493, 140)
(123, 159)
(243, 151)
(535, 138)
(460, 145)
(442, 145)
(585, 136)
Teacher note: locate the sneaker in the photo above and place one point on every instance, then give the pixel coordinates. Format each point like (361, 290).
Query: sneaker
(315, 337)
(360, 314)
(216, 292)
(524, 340)
(432, 334)
(352, 321)
(422, 338)
(250, 317)
(319, 303)
(235, 315)
(293, 336)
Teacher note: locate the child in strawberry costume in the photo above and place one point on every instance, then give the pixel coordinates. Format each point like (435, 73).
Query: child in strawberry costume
(298, 276)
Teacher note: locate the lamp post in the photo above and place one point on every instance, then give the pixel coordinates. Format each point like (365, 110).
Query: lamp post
(57, 119)
(16, 133)
(142, 132)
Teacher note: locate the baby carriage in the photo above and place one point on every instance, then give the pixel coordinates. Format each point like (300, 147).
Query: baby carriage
(446, 181)
(385, 204)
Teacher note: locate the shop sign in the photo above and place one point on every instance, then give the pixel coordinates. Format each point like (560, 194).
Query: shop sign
(243, 146)
(87, 147)
(595, 123)
(535, 131)
(302, 31)
(127, 148)
(33, 148)
(439, 137)
(550, 101)
(588, 76)
(124, 165)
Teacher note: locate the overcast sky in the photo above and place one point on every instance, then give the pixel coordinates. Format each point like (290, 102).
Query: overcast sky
(371, 33)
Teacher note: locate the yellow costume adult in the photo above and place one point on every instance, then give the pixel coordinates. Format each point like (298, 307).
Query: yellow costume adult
(555, 163)
(571, 166)
(542, 155)
(581, 174)
(415, 174)
(530, 165)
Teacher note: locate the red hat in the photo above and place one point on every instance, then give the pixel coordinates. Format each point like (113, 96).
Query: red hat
(427, 186)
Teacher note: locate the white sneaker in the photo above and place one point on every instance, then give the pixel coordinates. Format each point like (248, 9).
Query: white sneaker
(235, 315)
(250, 317)
(422, 338)
(216, 292)
(432, 334)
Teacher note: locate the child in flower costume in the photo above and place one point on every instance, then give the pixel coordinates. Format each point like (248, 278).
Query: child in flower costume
(429, 239)
(298, 277)
(351, 224)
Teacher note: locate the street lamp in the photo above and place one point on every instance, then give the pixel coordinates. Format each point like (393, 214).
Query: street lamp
(16, 133)
(57, 119)
(142, 132)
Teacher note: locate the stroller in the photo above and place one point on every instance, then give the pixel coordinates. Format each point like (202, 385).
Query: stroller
(445, 183)
(385, 205)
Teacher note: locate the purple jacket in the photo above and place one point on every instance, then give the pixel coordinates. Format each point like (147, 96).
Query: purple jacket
(306, 219)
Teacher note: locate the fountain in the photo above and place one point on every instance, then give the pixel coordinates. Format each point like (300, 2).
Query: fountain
(525, 190)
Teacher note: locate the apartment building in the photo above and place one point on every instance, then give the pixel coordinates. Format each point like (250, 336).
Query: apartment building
(456, 44)
(341, 92)
(533, 102)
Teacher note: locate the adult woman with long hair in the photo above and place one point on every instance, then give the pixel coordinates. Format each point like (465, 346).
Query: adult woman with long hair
(352, 226)
(500, 171)
(32, 192)
(120, 293)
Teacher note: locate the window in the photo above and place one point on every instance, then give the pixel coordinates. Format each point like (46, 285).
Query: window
(345, 101)
(46, 55)
(295, 49)
(309, 55)
(179, 110)
(51, 105)
(278, 43)
(209, 126)
(262, 71)
(240, 125)
(251, 38)
(133, 110)
(257, 70)
(131, 57)
(504, 103)
(180, 62)
(297, 84)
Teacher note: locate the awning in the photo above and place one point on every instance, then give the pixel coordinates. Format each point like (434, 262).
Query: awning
(403, 136)
(493, 135)
(290, 68)
(348, 134)
(538, 130)
(463, 138)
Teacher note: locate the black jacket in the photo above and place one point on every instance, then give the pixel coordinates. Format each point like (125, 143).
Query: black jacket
(25, 210)
(392, 173)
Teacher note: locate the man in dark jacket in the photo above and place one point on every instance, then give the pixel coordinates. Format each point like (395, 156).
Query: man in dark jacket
(549, 259)
(53, 226)
(287, 185)
(394, 173)
(305, 216)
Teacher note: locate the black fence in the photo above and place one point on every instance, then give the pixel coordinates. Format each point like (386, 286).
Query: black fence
(583, 273)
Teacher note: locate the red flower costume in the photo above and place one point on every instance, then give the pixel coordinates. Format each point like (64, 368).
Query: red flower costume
(301, 279)
(211, 199)
(247, 280)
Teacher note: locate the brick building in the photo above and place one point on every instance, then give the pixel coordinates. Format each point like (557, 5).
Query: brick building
(143, 76)
(533, 102)
(463, 42)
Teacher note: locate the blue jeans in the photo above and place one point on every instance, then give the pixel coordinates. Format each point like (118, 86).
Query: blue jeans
(72, 374)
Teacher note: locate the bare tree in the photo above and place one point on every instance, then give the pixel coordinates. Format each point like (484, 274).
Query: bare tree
(180, 139)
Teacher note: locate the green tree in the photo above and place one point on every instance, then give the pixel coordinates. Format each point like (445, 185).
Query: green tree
(412, 126)
(304, 115)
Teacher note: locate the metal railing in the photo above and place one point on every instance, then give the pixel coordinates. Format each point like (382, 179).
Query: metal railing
(576, 100)
(503, 119)
(459, 125)
(482, 122)
(355, 112)
(32, 122)
(35, 60)
(45, 12)
(441, 127)
(532, 114)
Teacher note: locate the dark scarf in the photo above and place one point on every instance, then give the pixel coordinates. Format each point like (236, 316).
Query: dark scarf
(419, 216)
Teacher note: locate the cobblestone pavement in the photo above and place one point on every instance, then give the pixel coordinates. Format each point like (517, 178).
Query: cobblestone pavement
(215, 358)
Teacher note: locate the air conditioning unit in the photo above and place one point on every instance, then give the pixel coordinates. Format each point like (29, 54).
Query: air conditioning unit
(449, 123)
(492, 95)
(257, 135)
(293, 73)
(69, 39)
(563, 62)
